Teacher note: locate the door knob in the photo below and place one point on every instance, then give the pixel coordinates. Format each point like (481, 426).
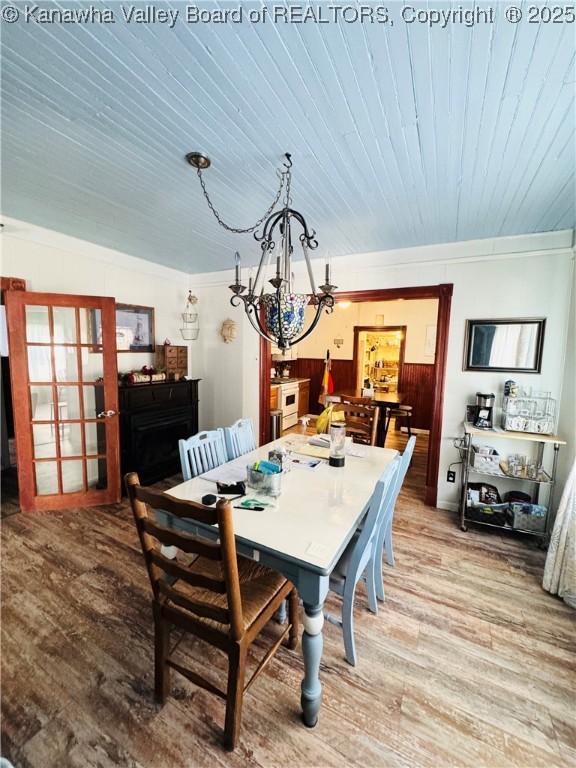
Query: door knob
(106, 414)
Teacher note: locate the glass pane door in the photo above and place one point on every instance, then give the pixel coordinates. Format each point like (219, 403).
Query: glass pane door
(63, 362)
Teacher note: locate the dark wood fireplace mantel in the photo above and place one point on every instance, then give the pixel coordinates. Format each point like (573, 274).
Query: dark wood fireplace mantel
(153, 417)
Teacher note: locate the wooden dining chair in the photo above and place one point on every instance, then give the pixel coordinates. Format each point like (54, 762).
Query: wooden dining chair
(219, 597)
(239, 438)
(384, 539)
(361, 422)
(400, 412)
(357, 560)
(348, 400)
(202, 452)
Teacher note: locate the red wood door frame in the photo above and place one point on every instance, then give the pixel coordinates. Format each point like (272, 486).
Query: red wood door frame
(443, 293)
(105, 395)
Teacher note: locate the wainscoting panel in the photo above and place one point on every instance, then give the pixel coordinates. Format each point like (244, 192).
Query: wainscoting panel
(311, 368)
(417, 384)
(418, 390)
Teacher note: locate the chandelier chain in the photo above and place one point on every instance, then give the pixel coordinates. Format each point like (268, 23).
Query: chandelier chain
(284, 177)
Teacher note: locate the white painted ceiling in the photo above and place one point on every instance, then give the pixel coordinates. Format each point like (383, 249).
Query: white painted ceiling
(401, 135)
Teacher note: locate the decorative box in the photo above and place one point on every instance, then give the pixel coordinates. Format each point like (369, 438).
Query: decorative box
(485, 458)
(528, 517)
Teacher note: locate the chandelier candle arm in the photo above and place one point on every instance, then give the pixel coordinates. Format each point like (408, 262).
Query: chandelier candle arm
(310, 272)
(266, 253)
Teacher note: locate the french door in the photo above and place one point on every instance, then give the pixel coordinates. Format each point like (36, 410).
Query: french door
(65, 398)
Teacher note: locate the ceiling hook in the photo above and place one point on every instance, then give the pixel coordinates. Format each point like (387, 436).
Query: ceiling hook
(288, 157)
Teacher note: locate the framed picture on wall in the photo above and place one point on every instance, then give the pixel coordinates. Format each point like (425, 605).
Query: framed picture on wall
(504, 345)
(134, 328)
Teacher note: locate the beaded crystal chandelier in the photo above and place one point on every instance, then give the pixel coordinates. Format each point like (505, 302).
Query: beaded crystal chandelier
(278, 315)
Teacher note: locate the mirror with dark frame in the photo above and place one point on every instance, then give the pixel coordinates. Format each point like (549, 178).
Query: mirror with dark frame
(504, 345)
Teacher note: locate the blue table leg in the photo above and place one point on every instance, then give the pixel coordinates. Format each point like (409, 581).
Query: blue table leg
(312, 644)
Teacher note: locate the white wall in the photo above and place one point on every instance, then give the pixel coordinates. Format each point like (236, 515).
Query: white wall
(415, 314)
(567, 421)
(527, 276)
(55, 263)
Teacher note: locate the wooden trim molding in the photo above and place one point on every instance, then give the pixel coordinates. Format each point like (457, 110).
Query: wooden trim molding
(443, 293)
(12, 284)
(265, 365)
(441, 355)
(391, 294)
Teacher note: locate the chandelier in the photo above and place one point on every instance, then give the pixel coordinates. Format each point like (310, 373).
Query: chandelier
(278, 315)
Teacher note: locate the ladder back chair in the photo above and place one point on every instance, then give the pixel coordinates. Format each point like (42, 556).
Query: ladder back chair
(357, 560)
(361, 421)
(219, 597)
(202, 452)
(384, 540)
(239, 438)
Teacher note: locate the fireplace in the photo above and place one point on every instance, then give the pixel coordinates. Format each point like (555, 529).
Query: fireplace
(153, 417)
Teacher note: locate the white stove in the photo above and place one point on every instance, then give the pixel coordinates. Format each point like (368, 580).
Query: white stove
(288, 404)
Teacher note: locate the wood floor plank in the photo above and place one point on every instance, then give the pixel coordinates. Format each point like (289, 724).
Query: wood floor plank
(468, 662)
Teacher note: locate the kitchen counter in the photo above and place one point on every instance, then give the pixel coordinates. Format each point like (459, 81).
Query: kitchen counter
(276, 382)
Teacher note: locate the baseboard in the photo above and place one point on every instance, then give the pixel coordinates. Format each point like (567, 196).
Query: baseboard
(415, 430)
(451, 506)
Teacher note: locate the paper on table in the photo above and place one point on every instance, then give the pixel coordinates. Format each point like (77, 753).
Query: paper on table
(231, 472)
(312, 463)
(321, 440)
(312, 450)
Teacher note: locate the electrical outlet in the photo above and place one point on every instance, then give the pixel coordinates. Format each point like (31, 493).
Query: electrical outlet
(451, 476)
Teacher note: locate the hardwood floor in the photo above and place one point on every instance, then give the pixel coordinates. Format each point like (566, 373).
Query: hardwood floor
(469, 661)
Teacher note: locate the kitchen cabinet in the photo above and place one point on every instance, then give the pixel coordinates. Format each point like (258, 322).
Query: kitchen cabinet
(274, 397)
(303, 397)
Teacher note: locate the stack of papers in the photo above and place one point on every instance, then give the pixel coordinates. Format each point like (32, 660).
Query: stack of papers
(229, 473)
(313, 450)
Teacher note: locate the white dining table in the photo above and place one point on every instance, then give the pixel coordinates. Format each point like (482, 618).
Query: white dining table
(301, 535)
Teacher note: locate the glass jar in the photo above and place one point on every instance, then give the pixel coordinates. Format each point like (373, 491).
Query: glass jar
(337, 445)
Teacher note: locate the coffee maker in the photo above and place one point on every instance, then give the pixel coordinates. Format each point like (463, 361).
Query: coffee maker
(484, 410)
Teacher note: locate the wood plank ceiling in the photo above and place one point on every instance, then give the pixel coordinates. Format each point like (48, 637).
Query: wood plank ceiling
(401, 134)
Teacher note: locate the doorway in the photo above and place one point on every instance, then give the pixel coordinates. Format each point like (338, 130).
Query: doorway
(379, 356)
(441, 292)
